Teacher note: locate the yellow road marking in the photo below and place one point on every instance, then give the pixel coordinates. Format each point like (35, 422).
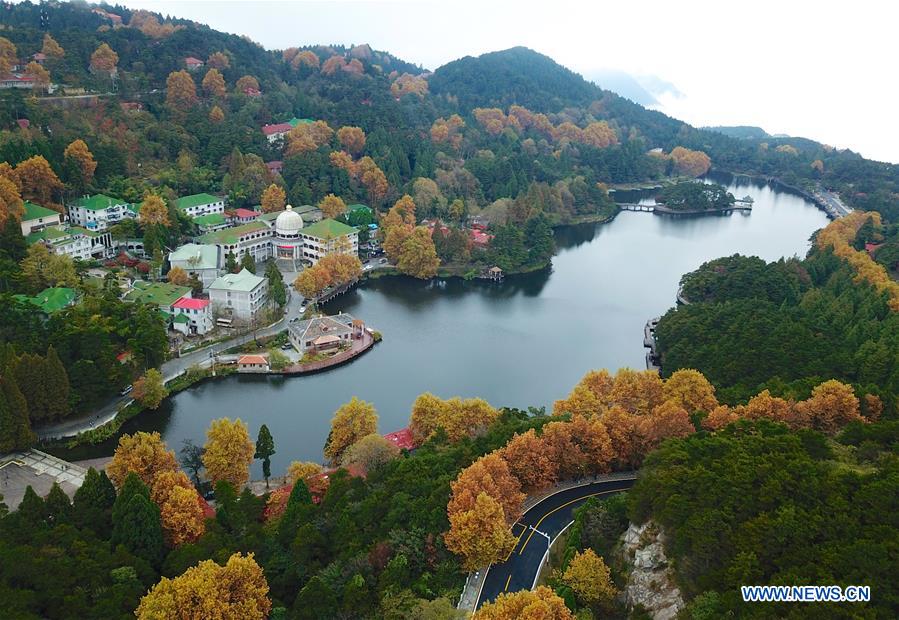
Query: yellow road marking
(517, 540)
(507, 582)
(537, 525)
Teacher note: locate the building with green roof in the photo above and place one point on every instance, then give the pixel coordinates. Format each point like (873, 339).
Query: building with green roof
(236, 234)
(329, 237)
(74, 241)
(200, 204)
(200, 261)
(211, 222)
(299, 121)
(160, 294)
(51, 300)
(37, 217)
(99, 211)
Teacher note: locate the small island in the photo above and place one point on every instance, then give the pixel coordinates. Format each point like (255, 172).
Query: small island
(694, 197)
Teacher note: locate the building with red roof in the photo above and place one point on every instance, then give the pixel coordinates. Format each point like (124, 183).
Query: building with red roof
(275, 167)
(193, 64)
(249, 91)
(23, 123)
(402, 439)
(871, 248)
(277, 131)
(242, 216)
(192, 316)
(479, 237)
(252, 363)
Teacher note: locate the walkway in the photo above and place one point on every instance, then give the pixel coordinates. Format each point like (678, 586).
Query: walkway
(358, 348)
(545, 517)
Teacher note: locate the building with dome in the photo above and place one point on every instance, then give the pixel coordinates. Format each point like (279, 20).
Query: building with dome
(288, 242)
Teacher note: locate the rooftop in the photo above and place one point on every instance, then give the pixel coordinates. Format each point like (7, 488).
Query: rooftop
(51, 300)
(197, 256)
(210, 219)
(231, 236)
(276, 128)
(252, 359)
(318, 326)
(98, 202)
(244, 282)
(162, 294)
(189, 303)
(243, 213)
(33, 212)
(328, 229)
(402, 439)
(299, 121)
(358, 207)
(196, 200)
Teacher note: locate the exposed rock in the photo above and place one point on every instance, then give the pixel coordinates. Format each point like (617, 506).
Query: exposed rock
(650, 582)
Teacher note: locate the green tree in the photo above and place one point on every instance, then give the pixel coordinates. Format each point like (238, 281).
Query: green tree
(150, 389)
(56, 382)
(132, 486)
(248, 262)
(265, 448)
(93, 502)
(58, 505)
(276, 289)
(15, 428)
(32, 509)
(139, 529)
(230, 262)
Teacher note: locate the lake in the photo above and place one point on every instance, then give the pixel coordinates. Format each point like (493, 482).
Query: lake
(522, 343)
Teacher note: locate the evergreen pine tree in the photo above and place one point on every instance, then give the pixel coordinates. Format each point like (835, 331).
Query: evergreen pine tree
(93, 502)
(248, 262)
(298, 507)
(58, 505)
(230, 262)
(56, 382)
(139, 529)
(29, 376)
(15, 428)
(265, 448)
(32, 509)
(132, 486)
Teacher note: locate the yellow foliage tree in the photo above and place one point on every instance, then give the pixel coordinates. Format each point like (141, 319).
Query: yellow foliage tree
(216, 114)
(332, 206)
(489, 474)
(690, 163)
(351, 422)
(352, 139)
(181, 91)
(373, 179)
(245, 83)
(38, 183)
(599, 134)
(408, 84)
(145, 454)
(218, 60)
(637, 391)
(11, 203)
(78, 154)
(182, 516)
(104, 59)
(418, 255)
(177, 275)
(480, 535)
(539, 604)
(236, 591)
(492, 119)
(214, 83)
(299, 470)
(8, 55)
(228, 452)
(164, 482)
(40, 76)
(274, 198)
(590, 579)
(719, 417)
(831, 406)
(153, 211)
(691, 390)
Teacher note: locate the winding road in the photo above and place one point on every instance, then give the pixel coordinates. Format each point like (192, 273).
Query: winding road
(535, 530)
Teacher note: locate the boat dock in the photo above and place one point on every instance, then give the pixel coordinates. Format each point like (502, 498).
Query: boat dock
(649, 341)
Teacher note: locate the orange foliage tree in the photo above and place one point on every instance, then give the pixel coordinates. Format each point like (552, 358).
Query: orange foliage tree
(352, 139)
(529, 461)
(690, 163)
(82, 159)
(145, 454)
(245, 83)
(480, 534)
(408, 84)
(104, 59)
(11, 203)
(181, 92)
(332, 206)
(182, 516)
(489, 474)
(831, 406)
(214, 83)
(218, 60)
(38, 183)
(542, 603)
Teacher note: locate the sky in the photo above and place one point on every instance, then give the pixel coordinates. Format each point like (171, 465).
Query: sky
(820, 70)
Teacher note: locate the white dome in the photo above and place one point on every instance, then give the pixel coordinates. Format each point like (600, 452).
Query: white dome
(288, 222)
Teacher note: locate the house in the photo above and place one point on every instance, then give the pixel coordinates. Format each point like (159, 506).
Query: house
(131, 106)
(242, 216)
(253, 238)
(52, 300)
(276, 131)
(17, 81)
(240, 296)
(74, 241)
(40, 58)
(193, 64)
(480, 238)
(252, 363)
(200, 261)
(37, 217)
(23, 123)
(211, 222)
(249, 91)
(275, 167)
(322, 333)
(192, 316)
(402, 439)
(99, 211)
(329, 237)
(200, 204)
(163, 295)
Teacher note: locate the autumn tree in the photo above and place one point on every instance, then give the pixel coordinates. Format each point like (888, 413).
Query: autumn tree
(690, 163)
(489, 474)
(407, 84)
(42, 269)
(52, 49)
(164, 482)
(589, 578)
(177, 275)
(491, 119)
(418, 256)
(104, 59)
(352, 139)
(216, 114)
(458, 418)
(373, 179)
(8, 55)
(599, 134)
(11, 203)
(691, 390)
(351, 422)
(529, 461)
(637, 391)
(333, 64)
(274, 198)
(332, 206)
(38, 183)
(182, 516)
(719, 417)
(143, 454)
(218, 61)
(181, 91)
(214, 84)
(80, 159)
(395, 237)
(299, 470)
(370, 452)
(541, 603)
(153, 211)
(307, 59)
(831, 406)
(246, 83)
(236, 590)
(765, 406)
(480, 534)
(40, 76)
(149, 390)
(448, 131)
(228, 452)
(666, 421)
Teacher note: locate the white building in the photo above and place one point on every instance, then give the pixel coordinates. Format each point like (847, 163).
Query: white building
(329, 237)
(200, 204)
(254, 239)
(37, 217)
(73, 241)
(192, 316)
(201, 261)
(99, 211)
(239, 296)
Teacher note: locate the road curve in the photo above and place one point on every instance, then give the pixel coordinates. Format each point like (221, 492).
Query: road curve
(550, 516)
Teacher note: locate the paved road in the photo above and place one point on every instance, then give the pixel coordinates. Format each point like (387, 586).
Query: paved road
(833, 202)
(549, 517)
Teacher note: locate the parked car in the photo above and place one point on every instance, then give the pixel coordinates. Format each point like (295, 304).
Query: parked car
(383, 261)
(127, 390)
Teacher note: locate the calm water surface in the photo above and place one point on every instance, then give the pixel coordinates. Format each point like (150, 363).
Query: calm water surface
(524, 342)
